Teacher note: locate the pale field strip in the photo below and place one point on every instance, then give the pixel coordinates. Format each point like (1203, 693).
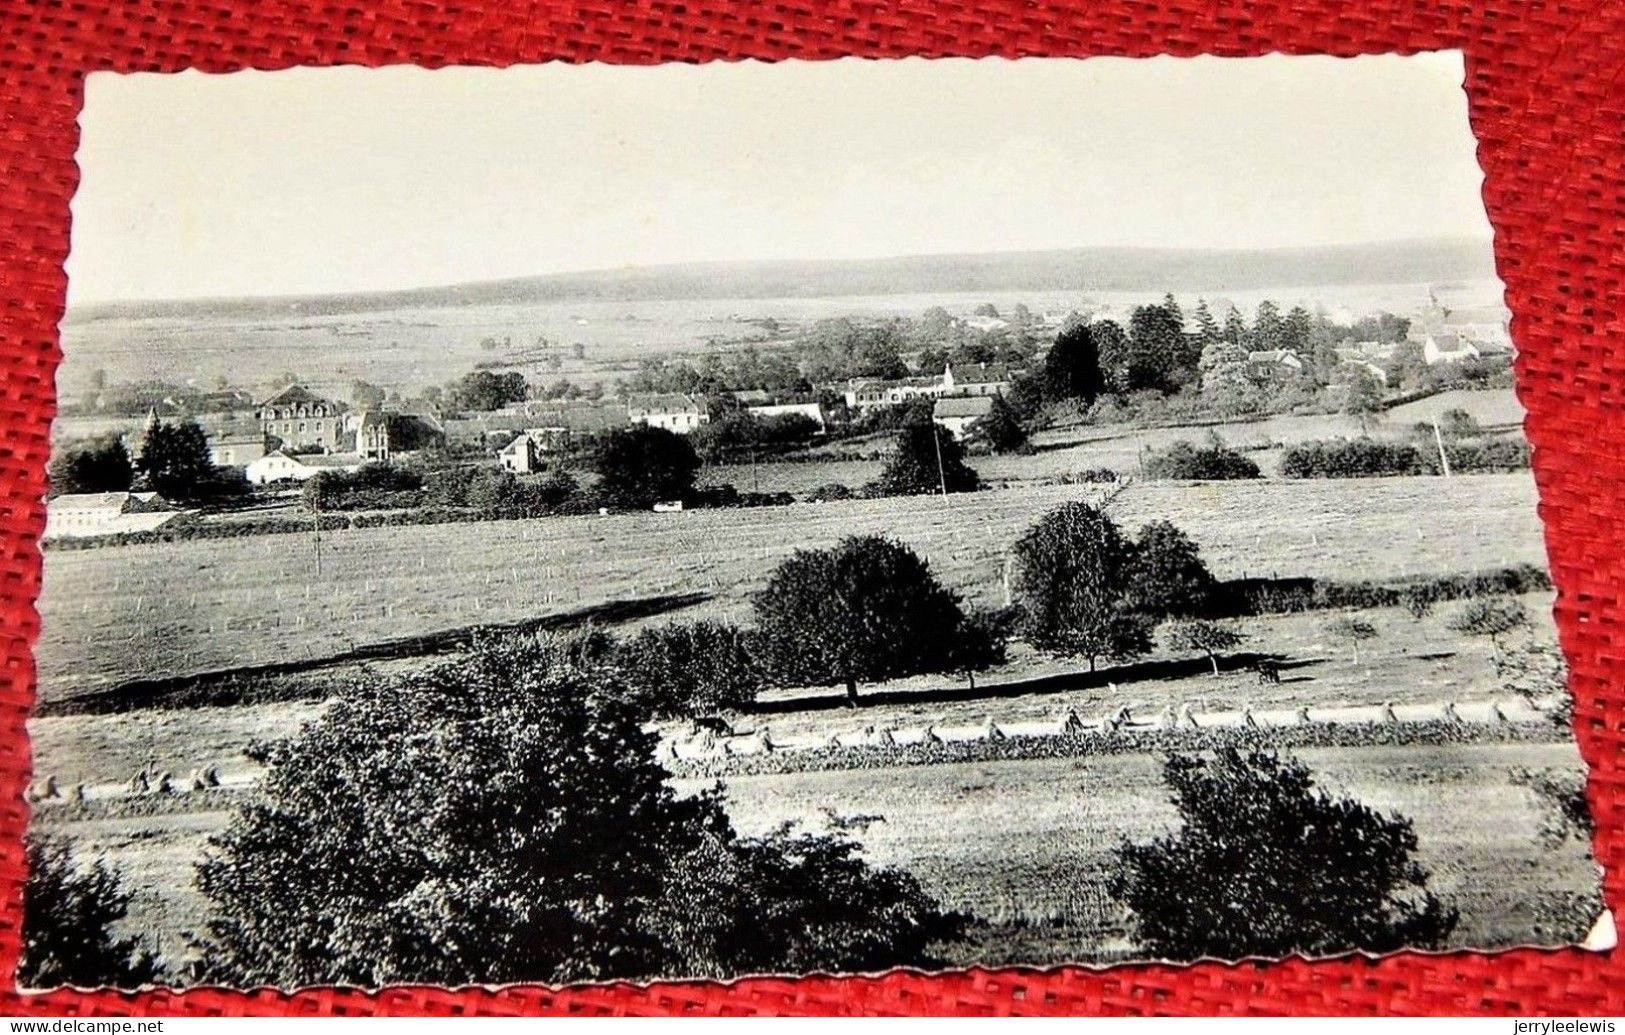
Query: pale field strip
(762, 740)
(115, 614)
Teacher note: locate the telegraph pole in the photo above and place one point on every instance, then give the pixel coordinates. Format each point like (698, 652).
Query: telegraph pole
(316, 533)
(1438, 440)
(942, 477)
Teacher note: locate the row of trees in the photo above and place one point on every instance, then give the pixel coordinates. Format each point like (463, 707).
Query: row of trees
(174, 462)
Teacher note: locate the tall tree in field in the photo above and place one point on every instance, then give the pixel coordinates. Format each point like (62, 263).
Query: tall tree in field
(1296, 329)
(1160, 356)
(1225, 384)
(1362, 396)
(1269, 332)
(1207, 328)
(1000, 429)
(866, 610)
(1235, 329)
(100, 465)
(1167, 576)
(1072, 368)
(928, 459)
(1073, 580)
(1267, 864)
(175, 460)
(643, 465)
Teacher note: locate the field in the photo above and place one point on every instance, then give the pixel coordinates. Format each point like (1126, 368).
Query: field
(1025, 845)
(116, 614)
(332, 342)
(955, 826)
(1065, 451)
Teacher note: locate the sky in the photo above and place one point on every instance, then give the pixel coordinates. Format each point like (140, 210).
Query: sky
(347, 179)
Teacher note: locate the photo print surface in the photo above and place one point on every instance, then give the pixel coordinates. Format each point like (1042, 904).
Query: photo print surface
(564, 524)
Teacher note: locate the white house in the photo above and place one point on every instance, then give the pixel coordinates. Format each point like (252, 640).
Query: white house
(82, 515)
(1447, 347)
(958, 413)
(976, 379)
(523, 455)
(673, 411)
(236, 448)
(812, 411)
(284, 467)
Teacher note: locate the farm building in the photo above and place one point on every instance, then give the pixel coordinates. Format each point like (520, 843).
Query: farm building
(979, 379)
(865, 395)
(236, 448)
(378, 434)
(1273, 365)
(812, 411)
(1447, 347)
(523, 455)
(958, 413)
(673, 411)
(300, 418)
(286, 467)
(81, 515)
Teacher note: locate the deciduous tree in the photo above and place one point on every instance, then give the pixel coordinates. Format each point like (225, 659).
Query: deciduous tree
(500, 818)
(1073, 583)
(866, 610)
(1266, 864)
(68, 917)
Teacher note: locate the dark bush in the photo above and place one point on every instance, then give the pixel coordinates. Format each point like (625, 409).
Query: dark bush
(828, 492)
(372, 486)
(1265, 864)
(691, 669)
(1351, 458)
(500, 818)
(1185, 462)
(68, 915)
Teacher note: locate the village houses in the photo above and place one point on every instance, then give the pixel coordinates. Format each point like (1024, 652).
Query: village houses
(673, 411)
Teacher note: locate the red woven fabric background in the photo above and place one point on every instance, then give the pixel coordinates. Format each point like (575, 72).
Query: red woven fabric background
(1548, 107)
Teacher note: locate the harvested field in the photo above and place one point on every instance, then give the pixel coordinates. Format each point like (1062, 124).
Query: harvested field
(122, 613)
(1026, 845)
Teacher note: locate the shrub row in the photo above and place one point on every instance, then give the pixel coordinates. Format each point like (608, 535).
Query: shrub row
(1185, 462)
(1238, 598)
(1094, 742)
(1369, 458)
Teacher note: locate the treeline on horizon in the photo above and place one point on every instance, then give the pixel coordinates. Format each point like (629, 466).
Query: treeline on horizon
(1081, 269)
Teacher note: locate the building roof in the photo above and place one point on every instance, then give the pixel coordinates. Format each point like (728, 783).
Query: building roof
(330, 459)
(238, 437)
(1273, 356)
(957, 406)
(108, 502)
(295, 394)
(661, 402)
(982, 374)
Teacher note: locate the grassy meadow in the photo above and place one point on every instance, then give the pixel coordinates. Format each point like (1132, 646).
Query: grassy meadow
(116, 614)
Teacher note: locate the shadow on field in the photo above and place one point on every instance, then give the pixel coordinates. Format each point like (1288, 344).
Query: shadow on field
(252, 683)
(1119, 675)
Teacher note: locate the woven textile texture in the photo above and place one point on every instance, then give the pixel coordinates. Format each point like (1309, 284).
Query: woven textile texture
(1546, 87)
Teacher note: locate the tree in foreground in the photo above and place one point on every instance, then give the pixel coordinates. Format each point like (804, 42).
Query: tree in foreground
(1073, 583)
(500, 818)
(868, 609)
(1351, 630)
(1266, 864)
(100, 465)
(68, 915)
(1210, 638)
(1363, 400)
(928, 459)
(643, 465)
(1491, 618)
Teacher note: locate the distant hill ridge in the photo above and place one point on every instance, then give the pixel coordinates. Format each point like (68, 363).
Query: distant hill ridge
(1075, 269)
